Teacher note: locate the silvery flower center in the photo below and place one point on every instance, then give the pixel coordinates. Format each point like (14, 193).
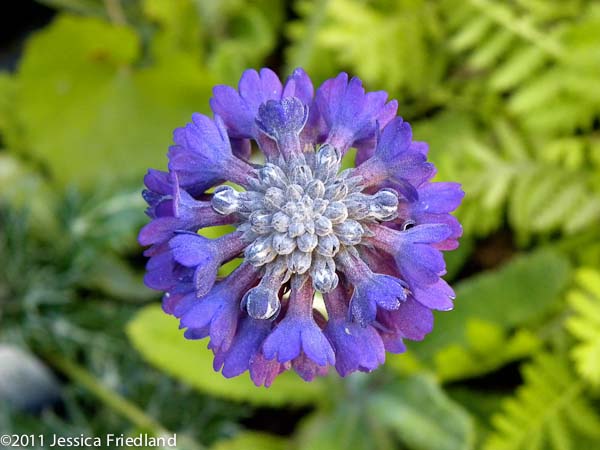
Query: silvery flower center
(298, 214)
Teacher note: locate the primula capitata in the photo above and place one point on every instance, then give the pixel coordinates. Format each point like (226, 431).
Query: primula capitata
(368, 239)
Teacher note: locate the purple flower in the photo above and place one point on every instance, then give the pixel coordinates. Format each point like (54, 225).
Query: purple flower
(202, 156)
(369, 239)
(174, 210)
(351, 114)
(298, 333)
(356, 347)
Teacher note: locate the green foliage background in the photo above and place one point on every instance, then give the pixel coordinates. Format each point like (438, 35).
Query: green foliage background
(506, 93)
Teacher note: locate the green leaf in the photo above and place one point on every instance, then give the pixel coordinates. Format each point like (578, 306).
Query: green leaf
(471, 33)
(523, 291)
(89, 113)
(23, 188)
(584, 299)
(440, 425)
(179, 26)
(489, 347)
(112, 276)
(11, 134)
(373, 416)
(520, 65)
(157, 337)
(400, 31)
(342, 429)
(250, 440)
(481, 403)
(550, 410)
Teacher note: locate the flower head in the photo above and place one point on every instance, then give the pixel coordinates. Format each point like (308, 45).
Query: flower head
(368, 239)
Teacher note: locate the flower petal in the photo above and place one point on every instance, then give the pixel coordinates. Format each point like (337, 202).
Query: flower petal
(350, 114)
(239, 110)
(356, 347)
(202, 156)
(412, 320)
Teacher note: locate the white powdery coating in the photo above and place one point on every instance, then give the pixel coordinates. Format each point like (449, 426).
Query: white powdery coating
(298, 214)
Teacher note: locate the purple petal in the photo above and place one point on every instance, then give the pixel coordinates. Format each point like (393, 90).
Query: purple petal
(366, 147)
(285, 342)
(421, 264)
(380, 290)
(258, 87)
(239, 110)
(235, 112)
(191, 249)
(393, 342)
(159, 272)
(350, 114)
(202, 155)
(307, 368)
(158, 181)
(435, 296)
(412, 320)
(300, 86)
(179, 303)
(456, 231)
(439, 197)
(292, 336)
(396, 158)
(246, 344)
(157, 231)
(196, 333)
(264, 371)
(202, 311)
(220, 307)
(316, 346)
(157, 195)
(356, 347)
(395, 140)
(426, 234)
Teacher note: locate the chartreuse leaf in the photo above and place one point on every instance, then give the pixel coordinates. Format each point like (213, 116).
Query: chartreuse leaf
(413, 410)
(400, 31)
(522, 292)
(9, 132)
(488, 347)
(584, 299)
(179, 26)
(22, 187)
(89, 113)
(549, 411)
(343, 429)
(110, 275)
(157, 337)
(480, 403)
(250, 440)
(440, 425)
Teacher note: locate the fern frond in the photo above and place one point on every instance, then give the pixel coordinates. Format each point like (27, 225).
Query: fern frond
(541, 59)
(585, 324)
(385, 45)
(520, 25)
(549, 411)
(541, 193)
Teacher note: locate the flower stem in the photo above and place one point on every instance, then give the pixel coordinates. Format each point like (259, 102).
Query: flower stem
(110, 398)
(114, 9)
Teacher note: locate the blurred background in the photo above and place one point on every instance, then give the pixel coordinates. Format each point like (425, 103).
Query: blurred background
(506, 93)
